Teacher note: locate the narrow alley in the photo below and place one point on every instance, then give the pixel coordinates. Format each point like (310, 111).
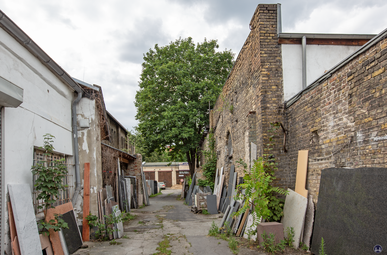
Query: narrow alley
(165, 218)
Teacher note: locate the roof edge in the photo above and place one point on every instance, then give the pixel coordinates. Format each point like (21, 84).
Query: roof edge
(16, 32)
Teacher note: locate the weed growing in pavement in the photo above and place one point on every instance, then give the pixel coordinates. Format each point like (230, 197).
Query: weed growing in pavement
(214, 230)
(135, 230)
(233, 245)
(155, 195)
(205, 212)
(289, 238)
(141, 206)
(125, 237)
(126, 216)
(114, 242)
(141, 222)
(163, 246)
(269, 244)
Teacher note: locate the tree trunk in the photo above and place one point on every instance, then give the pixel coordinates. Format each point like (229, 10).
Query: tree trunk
(191, 161)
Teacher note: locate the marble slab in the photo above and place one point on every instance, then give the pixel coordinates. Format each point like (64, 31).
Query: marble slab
(118, 227)
(294, 214)
(128, 191)
(24, 217)
(250, 226)
(351, 211)
(309, 219)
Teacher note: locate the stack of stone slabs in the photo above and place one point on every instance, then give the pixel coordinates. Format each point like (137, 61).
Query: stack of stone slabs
(351, 211)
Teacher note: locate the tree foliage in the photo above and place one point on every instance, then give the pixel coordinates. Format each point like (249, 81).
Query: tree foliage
(209, 167)
(177, 84)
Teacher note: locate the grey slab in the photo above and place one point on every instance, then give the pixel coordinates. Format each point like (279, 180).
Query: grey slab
(230, 219)
(72, 234)
(294, 214)
(211, 204)
(225, 215)
(309, 219)
(230, 185)
(25, 221)
(351, 211)
(188, 199)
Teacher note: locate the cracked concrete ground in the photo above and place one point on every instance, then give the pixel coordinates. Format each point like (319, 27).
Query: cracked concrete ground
(166, 217)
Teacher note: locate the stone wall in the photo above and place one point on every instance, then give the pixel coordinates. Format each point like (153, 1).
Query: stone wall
(252, 95)
(342, 121)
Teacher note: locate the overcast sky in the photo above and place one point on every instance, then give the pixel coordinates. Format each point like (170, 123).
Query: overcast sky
(102, 42)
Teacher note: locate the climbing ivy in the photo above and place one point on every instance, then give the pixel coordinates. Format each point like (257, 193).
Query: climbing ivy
(209, 167)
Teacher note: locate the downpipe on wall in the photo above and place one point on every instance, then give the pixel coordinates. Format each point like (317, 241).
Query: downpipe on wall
(75, 146)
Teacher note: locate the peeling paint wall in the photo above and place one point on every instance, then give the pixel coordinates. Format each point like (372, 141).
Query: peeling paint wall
(46, 108)
(89, 144)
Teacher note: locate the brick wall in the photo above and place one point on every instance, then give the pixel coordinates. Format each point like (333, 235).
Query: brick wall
(134, 169)
(341, 120)
(252, 96)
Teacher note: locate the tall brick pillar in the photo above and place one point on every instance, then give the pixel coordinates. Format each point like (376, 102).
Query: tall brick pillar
(270, 83)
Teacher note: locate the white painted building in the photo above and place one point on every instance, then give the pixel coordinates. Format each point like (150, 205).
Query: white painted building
(36, 97)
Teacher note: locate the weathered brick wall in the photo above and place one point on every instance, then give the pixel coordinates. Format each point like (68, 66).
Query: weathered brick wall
(252, 95)
(339, 119)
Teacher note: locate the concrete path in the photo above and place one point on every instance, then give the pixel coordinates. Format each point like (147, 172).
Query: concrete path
(166, 218)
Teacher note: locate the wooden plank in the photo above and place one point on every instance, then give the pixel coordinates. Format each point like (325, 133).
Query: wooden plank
(12, 228)
(46, 245)
(86, 202)
(243, 222)
(302, 169)
(54, 236)
(319, 41)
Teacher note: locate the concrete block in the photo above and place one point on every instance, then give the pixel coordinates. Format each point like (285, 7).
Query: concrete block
(275, 228)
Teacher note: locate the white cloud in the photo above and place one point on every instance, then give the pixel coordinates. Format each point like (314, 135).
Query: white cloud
(102, 42)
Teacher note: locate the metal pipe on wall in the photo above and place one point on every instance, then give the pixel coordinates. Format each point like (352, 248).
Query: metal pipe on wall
(303, 62)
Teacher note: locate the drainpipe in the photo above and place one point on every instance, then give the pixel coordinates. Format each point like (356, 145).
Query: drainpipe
(75, 145)
(303, 62)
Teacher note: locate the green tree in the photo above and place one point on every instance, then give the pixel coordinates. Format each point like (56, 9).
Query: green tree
(177, 84)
